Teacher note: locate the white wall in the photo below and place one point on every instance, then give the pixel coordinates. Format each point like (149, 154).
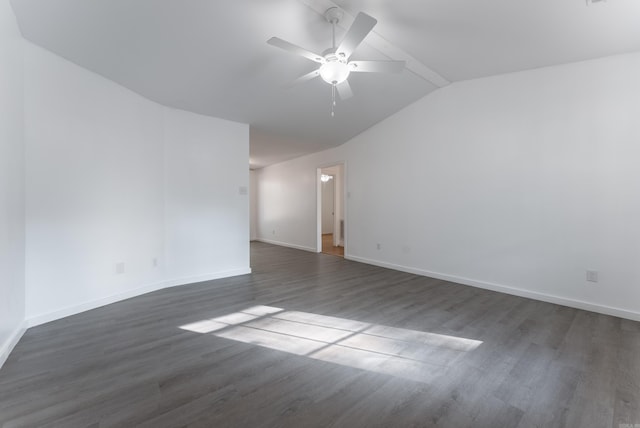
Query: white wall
(114, 178)
(207, 219)
(518, 182)
(253, 205)
(12, 288)
(338, 239)
(94, 185)
(287, 195)
(328, 199)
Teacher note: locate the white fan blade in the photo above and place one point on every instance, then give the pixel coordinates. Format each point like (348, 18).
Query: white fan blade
(344, 90)
(305, 78)
(296, 50)
(362, 25)
(377, 66)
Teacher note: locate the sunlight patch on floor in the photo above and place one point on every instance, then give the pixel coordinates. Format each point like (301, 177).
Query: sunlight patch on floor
(409, 354)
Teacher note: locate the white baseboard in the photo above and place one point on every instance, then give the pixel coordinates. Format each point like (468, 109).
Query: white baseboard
(286, 244)
(76, 309)
(207, 277)
(578, 304)
(93, 304)
(11, 342)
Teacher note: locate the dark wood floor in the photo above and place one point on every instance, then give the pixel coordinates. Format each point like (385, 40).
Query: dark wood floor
(310, 340)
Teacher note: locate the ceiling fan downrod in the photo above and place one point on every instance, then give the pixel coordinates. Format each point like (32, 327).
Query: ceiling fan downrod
(333, 15)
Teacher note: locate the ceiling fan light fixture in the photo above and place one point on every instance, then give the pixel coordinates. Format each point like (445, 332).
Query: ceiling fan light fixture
(335, 67)
(334, 72)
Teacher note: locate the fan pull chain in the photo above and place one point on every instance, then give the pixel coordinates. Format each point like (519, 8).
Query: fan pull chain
(333, 100)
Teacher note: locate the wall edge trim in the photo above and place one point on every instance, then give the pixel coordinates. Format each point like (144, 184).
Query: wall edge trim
(286, 244)
(544, 297)
(7, 347)
(93, 304)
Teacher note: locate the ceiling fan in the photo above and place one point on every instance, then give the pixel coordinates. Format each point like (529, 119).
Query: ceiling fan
(335, 66)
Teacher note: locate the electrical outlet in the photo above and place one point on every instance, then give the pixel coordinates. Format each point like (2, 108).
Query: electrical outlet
(378, 246)
(592, 275)
(273, 232)
(154, 262)
(120, 268)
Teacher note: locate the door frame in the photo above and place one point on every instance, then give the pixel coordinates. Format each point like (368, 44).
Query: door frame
(345, 197)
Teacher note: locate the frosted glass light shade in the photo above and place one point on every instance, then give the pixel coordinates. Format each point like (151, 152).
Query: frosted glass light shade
(334, 72)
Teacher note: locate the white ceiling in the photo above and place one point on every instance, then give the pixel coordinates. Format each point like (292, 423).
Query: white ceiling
(211, 57)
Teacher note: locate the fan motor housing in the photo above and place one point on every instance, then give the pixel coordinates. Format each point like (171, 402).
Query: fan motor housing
(331, 55)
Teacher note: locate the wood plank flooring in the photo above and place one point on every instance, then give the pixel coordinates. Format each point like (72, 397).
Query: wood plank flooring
(310, 340)
(328, 248)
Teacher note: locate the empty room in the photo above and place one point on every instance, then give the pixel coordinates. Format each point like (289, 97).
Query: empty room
(320, 213)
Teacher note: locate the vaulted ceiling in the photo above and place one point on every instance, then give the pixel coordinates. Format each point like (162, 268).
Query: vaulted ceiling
(211, 57)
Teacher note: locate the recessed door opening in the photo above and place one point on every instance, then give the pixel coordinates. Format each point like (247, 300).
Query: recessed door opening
(331, 209)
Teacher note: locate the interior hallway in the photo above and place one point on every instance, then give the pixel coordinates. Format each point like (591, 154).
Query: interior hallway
(328, 248)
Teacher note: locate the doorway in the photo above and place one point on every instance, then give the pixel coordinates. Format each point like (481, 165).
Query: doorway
(331, 206)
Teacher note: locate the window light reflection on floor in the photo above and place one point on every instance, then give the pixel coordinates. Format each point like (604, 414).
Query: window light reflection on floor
(399, 352)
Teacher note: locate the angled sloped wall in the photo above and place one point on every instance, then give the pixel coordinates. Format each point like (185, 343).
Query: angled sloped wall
(519, 182)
